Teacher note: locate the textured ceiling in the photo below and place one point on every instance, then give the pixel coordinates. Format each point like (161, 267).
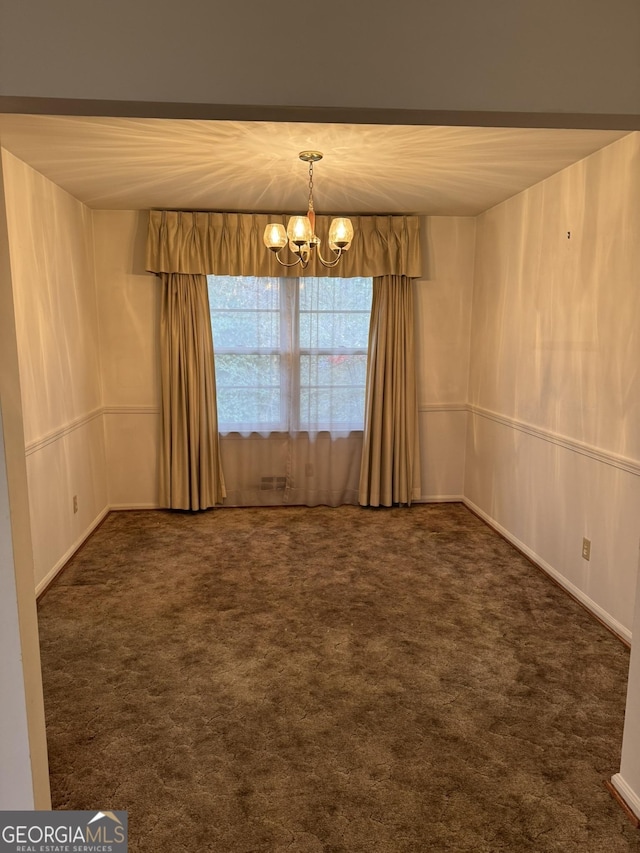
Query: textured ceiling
(124, 163)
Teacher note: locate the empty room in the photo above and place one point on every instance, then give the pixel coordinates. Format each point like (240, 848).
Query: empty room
(323, 542)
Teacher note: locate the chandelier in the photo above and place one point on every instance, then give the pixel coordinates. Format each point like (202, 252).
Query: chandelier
(300, 234)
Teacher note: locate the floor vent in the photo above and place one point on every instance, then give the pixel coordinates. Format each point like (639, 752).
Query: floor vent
(273, 484)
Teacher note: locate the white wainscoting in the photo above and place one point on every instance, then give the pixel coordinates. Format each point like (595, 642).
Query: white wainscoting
(71, 550)
(66, 463)
(71, 461)
(132, 438)
(544, 492)
(443, 430)
(67, 429)
(614, 459)
(540, 490)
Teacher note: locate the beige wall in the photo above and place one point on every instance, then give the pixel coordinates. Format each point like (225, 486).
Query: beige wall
(129, 306)
(553, 451)
(52, 267)
(24, 776)
(553, 445)
(129, 320)
(443, 300)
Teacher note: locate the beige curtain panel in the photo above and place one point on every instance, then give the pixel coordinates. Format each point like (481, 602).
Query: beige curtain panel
(390, 468)
(190, 469)
(231, 244)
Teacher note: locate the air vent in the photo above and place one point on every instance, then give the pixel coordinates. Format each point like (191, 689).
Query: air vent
(273, 484)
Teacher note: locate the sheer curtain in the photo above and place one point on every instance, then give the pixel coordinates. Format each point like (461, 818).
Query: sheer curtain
(190, 470)
(390, 472)
(291, 369)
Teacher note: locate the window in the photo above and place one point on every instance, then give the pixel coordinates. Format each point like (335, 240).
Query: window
(290, 353)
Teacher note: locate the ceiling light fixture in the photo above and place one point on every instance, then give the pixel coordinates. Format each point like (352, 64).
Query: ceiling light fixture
(300, 234)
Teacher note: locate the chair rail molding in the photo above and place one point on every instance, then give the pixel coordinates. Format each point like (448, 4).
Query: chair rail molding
(624, 463)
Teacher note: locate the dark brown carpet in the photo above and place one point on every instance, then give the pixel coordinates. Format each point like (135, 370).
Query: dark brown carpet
(324, 679)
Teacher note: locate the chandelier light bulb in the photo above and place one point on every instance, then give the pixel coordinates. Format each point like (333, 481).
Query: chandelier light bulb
(340, 233)
(275, 237)
(299, 230)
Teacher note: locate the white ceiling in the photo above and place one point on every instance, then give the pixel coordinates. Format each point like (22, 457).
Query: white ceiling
(121, 163)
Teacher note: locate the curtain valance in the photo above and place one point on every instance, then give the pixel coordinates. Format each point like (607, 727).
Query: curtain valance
(231, 244)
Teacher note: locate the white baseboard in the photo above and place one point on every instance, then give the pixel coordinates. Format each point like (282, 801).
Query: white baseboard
(591, 606)
(62, 562)
(628, 794)
(438, 499)
(44, 583)
(116, 507)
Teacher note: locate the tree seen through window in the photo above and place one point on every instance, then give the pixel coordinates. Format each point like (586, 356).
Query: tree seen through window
(290, 353)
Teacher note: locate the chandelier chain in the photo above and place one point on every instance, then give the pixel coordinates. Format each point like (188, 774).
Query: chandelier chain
(311, 185)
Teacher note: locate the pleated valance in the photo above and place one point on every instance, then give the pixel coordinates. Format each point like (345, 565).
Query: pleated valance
(231, 244)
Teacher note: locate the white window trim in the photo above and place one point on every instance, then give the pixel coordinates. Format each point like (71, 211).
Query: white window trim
(290, 354)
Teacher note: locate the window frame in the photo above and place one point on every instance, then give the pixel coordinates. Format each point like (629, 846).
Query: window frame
(290, 355)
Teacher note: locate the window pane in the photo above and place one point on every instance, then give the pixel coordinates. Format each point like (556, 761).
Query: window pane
(248, 391)
(344, 370)
(334, 313)
(249, 409)
(331, 408)
(335, 294)
(252, 330)
(242, 370)
(246, 327)
(245, 312)
(290, 353)
(229, 292)
(332, 391)
(334, 332)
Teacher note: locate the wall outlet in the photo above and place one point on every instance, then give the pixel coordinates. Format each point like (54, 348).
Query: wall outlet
(586, 549)
(75, 504)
